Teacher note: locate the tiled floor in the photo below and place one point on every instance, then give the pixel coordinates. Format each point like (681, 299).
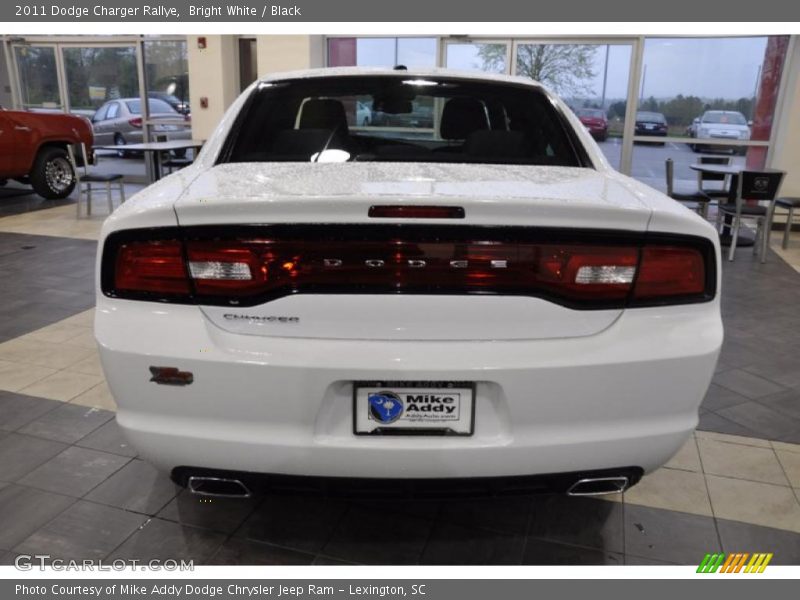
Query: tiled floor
(71, 487)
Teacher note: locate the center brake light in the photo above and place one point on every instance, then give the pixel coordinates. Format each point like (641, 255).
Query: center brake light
(250, 270)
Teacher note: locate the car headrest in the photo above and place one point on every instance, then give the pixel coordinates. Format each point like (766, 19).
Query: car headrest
(462, 116)
(498, 144)
(323, 113)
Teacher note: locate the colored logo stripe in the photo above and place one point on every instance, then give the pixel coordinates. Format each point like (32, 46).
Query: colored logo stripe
(734, 562)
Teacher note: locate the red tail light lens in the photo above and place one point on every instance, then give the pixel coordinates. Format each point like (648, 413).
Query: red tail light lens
(151, 267)
(670, 271)
(246, 269)
(136, 122)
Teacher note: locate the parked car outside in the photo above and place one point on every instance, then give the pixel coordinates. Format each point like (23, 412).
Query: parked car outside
(178, 105)
(651, 124)
(721, 125)
(596, 121)
(120, 122)
(33, 149)
(488, 303)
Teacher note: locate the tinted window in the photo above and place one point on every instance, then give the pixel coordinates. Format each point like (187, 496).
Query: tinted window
(154, 104)
(397, 118)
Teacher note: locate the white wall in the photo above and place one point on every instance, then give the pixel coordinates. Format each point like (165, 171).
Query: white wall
(786, 150)
(289, 52)
(213, 74)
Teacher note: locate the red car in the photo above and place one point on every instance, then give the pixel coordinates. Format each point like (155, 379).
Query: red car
(33, 149)
(595, 120)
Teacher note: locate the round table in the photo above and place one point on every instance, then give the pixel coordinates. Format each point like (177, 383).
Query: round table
(733, 171)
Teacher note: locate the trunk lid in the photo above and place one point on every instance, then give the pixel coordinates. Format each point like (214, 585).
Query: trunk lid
(501, 195)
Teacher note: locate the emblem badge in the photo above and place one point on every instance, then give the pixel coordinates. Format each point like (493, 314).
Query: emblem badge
(385, 407)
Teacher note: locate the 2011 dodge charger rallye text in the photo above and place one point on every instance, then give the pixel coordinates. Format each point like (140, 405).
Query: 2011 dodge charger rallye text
(471, 298)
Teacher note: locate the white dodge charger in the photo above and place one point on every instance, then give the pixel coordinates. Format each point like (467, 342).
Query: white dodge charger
(457, 291)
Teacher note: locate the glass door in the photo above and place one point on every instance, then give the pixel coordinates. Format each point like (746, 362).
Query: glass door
(489, 56)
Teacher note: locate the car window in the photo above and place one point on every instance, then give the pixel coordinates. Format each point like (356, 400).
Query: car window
(113, 111)
(591, 113)
(101, 113)
(154, 105)
(392, 118)
(724, 118)
(651, 117)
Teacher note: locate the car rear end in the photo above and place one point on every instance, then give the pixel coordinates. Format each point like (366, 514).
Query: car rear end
(371, 321)
(595, 122)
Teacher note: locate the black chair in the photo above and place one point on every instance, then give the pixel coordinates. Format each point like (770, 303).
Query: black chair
(788, 204)
(697, 199)
(759, 186)
(85, 180)
(174, 163)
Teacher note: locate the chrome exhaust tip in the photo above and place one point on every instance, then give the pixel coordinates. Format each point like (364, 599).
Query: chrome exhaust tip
(598, 486)
(217, 487)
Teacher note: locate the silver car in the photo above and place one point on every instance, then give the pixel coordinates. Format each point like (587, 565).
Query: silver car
(721, 125)
(119, 122)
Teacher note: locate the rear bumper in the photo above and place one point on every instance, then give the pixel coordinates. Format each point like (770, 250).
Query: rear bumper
(626, 396)
(416, 488)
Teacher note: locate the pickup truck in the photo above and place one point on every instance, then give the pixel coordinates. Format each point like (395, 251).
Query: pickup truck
(33, 150)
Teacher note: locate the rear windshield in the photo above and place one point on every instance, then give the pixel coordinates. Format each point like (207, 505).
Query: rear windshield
(153, 104)
(731, 118)
(591, 113)
(395, 118)
(651, 117)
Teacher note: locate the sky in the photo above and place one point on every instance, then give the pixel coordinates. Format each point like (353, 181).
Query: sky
(704, 67)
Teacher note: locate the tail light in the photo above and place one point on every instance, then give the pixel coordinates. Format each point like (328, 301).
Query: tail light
(242, 268)
(135, 122)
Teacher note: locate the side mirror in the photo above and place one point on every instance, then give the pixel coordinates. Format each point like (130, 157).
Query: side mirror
(749, 123)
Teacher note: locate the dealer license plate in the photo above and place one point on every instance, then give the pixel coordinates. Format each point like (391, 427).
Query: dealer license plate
(413, 407)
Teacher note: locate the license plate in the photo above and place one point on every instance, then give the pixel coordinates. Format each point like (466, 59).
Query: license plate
(413, 408)
(649, 126)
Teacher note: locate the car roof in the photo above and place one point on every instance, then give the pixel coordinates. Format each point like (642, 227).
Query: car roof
(405, 73)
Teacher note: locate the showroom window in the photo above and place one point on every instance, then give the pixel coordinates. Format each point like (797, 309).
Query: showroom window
(97, 74)
(38, 77)
(717, 97)
(381, 52)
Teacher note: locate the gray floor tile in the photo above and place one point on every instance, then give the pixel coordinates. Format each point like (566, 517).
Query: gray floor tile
(743, 537)
(75, 471)
(108, 438)
(719, 397)
(578, 521)
(84, 531)
(164, 540)
(543, 552)
(369, 536)
(21, 454)
(220, 514)
(138, 486)
(764, 421)
(24, 510)
(297, 522)
(668, 536)
(238, 551)
(68, 423)
(746, 384)
(713, 422)
(787, 403)
(17, 410)
(451, 544)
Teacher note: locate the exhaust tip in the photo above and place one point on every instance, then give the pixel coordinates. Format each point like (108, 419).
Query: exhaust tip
(217, 487)
(598, 486)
